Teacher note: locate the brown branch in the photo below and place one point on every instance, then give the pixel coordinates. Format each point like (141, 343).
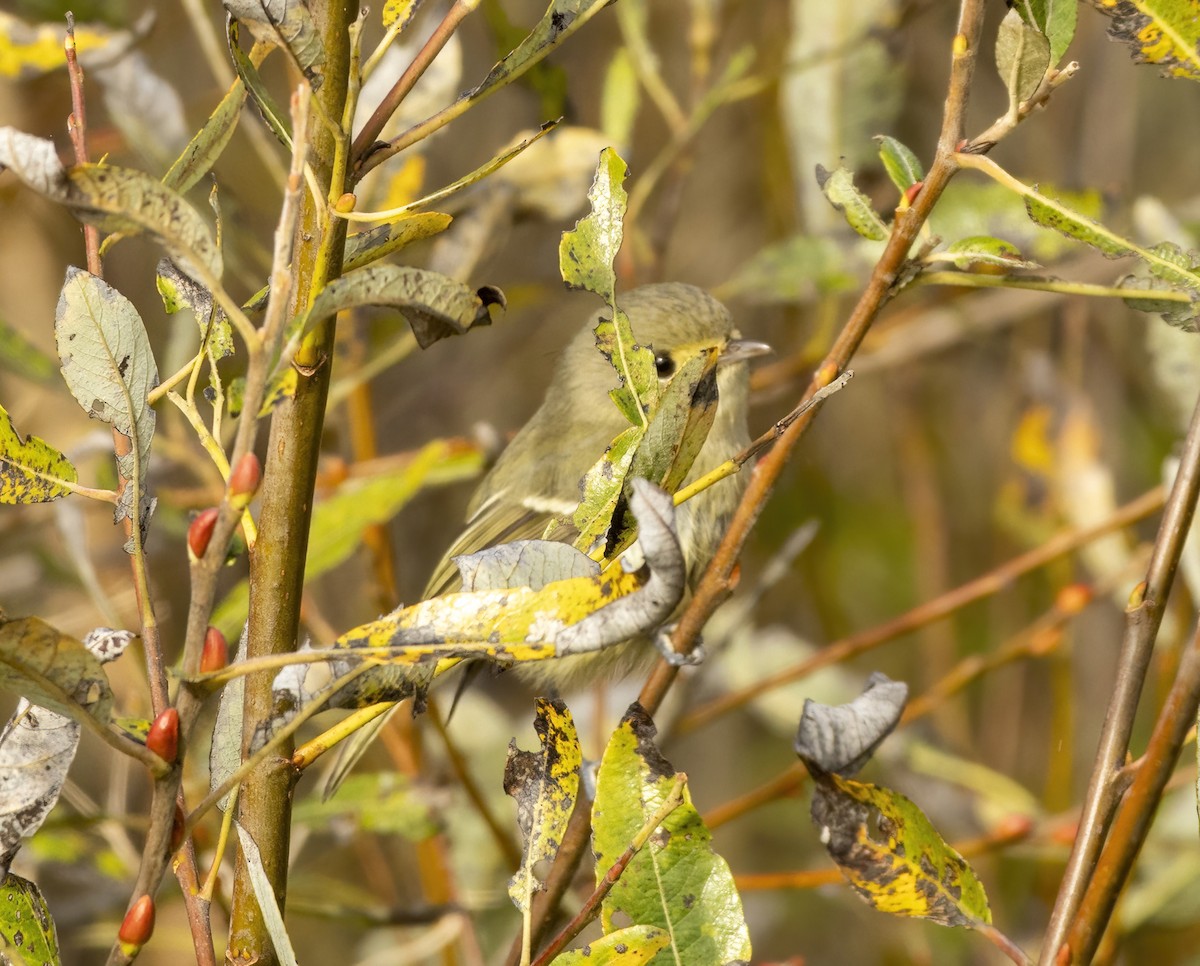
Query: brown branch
(1142, 619)
(716, 583)
(983, 586)
(1136, 812)
(405, 83)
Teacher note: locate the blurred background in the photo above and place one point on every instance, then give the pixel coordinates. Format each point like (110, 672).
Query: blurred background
(980, 423)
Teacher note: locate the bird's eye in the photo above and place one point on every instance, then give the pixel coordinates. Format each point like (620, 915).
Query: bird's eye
(664, 365)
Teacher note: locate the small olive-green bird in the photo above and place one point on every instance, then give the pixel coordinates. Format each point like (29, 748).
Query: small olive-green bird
(538, 476)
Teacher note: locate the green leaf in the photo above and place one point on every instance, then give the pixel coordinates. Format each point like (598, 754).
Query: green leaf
(1022, 56)
(1162, 32)
(31, 470)
(625, 947)
(978, 250)
(27, 933)
(208, 143)
(435, 305)
(369, 246)
(619, 98)
(561, 19)
(178, 291)
(52, 670)
(676, 882)
(20, 356)
(838, 186)
(109, 368)
(1046, 210)
(1054, 18)
(1165, 277)
(544, 784)
(603, 486)
(383, 803)
(893, 856)
(586, 256)
(274, 117)
(900, 163)
(663, 454)
(797, 269)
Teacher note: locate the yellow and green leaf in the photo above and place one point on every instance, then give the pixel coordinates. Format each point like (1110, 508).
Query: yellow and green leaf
(31, 470)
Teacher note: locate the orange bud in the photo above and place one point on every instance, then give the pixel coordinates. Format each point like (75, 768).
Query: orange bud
(1137, 597)
(163, 736)
(244, 480)
(216, 651)
(1012, 827)
(1063, 957)
(345, 203)
(1073, 598)
(200, 532)
(137, 927)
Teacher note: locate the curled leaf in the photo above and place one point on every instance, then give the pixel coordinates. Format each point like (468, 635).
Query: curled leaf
(838, 186)
(841, 739)
(436, 306)
(286, 23)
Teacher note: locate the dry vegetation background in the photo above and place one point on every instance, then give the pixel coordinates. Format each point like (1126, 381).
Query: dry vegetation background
(979, 423)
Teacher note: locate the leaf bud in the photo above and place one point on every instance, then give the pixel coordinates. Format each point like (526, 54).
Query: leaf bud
(137, 927)
(215, 655)
(163, 736)
(200, 532)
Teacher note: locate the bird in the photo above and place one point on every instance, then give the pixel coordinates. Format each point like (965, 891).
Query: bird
(538, 477)
(537, 481)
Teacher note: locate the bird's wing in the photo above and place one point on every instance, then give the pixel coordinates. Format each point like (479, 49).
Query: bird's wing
(499, 521)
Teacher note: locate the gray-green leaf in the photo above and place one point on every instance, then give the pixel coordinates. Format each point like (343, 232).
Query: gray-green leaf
(109, 368)
(1022, 56)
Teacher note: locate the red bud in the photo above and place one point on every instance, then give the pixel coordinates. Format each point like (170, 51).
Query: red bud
(137, 927)
(216, 651)
(244, 480)
(200, 531)
(163, 737)
(911, 192)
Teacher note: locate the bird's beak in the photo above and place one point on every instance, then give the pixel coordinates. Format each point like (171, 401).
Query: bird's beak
(741, 350)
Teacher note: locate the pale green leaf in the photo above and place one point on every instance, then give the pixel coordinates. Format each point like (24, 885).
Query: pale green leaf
(208, 143)
(978, 250)
(619, 99)
(1022, 56)
(1049, 212)
(586, 257)
(109, 368)
(374, 244)
(838, 186)
(383, 803)
(797, 269)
